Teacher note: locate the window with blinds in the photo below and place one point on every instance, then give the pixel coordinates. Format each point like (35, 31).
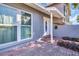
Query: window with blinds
(8, 29)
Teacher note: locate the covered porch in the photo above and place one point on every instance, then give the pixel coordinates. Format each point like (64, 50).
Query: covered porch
(57, 18)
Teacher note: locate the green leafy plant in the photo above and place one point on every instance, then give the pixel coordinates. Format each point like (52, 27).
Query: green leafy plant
(76, 5)
(77, 18)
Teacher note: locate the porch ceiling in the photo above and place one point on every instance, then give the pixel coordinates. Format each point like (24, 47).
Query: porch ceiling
(56, 12)
(58, 21)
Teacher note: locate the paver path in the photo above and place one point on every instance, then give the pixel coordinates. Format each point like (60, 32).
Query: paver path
(40, 49)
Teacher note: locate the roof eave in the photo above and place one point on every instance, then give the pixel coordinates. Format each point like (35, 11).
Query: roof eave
(38, 7)
(42, 9)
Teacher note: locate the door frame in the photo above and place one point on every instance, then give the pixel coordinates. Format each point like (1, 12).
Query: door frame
(46, 19)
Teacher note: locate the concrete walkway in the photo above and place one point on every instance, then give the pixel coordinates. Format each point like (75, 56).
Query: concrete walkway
(40, 49)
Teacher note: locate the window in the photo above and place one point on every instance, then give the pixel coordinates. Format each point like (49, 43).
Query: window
(25, 25)
(7, 17)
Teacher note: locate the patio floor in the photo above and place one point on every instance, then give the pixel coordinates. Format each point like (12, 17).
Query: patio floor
(39, 49)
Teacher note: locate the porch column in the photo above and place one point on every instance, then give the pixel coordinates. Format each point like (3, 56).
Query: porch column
(51, 27)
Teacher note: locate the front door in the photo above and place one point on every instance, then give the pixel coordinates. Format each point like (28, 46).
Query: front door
(46, 26)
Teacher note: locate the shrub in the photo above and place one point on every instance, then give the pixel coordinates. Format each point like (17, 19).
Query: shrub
(69, 44)
(71, 39)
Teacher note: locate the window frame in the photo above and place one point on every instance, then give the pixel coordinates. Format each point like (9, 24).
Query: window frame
(31, 24)
(8, 25)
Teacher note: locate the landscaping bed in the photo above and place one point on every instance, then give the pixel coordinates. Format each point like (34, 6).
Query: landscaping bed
(39, 49)
(69, 44)
(46, 38)
(71, 39)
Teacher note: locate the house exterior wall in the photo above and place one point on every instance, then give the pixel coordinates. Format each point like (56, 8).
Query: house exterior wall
(67, 31)
(37, 22)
